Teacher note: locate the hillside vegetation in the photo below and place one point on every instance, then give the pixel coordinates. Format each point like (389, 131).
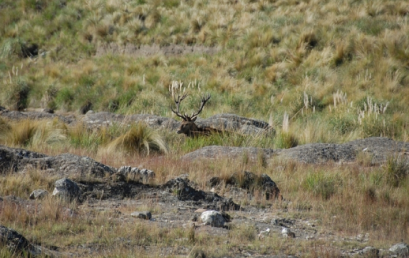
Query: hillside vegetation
(322, 71)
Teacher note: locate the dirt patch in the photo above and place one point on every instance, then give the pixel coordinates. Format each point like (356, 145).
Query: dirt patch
(150, 50)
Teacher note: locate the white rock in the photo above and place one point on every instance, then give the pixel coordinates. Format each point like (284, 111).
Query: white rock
(213, 218)
(38, 194)
(67, 189)
(287, 233)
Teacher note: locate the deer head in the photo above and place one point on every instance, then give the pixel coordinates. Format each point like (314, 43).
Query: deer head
(188, 126)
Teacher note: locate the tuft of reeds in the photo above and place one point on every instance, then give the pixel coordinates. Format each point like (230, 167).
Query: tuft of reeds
(139, 139)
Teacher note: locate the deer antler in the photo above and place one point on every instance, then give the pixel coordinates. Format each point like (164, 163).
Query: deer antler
(177, 101)
(204, 100)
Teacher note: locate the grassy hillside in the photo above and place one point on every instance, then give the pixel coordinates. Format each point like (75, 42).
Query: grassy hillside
(338, 70)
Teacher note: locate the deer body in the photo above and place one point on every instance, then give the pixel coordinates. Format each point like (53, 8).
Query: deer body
(190, 129)
(188, 126)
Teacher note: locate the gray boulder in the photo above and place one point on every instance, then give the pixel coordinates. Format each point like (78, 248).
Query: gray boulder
(38, 194)
(400, 249)
(14, 159)
(66, 189)
(213, 218)
(18, 245)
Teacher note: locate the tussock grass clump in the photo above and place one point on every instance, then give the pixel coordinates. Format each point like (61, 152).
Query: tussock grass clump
(321, 185)
(80, 136)
(397, 171)
(285, 140)
(33, 132)
(139, 139)
(4, 127)
(23, 184)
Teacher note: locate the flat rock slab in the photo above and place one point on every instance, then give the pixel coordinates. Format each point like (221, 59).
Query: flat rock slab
(18, 115)
(217, 152)
(20, 246)
(107, 118)
(379, 148)
(319, 153)
(14, 159)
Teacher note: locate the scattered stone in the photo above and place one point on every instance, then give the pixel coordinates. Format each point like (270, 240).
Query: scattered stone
(66, 189)
(400, 249)
(38, 194)
(142, 215)
(200, 210)
(213, 218)
(286, 232)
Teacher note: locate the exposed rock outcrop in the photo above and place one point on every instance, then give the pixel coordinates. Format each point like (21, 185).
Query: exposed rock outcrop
(224, 152)
(19, 115)
(250, 182)
(107, 118)
(378, 148)
(18, 245)
(185, 192)
(66, 189)
(13, 159)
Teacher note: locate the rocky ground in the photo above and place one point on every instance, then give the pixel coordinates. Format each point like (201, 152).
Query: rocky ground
(182, 203)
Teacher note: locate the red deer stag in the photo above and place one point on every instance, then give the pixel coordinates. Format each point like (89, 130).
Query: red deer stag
(188, 126)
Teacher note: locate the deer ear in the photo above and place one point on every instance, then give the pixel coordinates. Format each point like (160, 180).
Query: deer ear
(194, 119)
